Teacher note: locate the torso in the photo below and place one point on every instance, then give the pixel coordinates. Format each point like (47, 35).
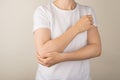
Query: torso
(60, 21)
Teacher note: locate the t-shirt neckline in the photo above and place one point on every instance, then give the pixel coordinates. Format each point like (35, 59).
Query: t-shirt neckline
(62, 10)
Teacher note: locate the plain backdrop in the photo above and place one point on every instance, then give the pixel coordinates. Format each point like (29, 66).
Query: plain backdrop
(17, 60)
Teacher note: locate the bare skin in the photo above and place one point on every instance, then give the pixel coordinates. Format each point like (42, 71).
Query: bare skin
(49, 51)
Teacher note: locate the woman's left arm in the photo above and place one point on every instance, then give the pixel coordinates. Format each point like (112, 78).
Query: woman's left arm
(91, 50)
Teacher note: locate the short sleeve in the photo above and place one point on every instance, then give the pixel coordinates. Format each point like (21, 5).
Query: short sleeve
(40, 19)
(91, 11)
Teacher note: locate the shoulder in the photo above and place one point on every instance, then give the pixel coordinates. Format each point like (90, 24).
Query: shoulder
(43, 8)
(86, 7)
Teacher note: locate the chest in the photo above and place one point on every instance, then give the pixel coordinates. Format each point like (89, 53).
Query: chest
(60, 22)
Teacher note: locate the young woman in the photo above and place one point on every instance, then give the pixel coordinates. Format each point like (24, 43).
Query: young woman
(66, 37)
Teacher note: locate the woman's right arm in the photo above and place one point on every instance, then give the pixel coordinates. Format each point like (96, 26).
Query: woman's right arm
(44, 44)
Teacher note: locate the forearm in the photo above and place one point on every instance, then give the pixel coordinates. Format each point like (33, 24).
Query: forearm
(60, 43)
(87, 52)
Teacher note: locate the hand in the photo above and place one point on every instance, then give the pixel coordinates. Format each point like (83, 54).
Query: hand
(50, 58)
(85, 23)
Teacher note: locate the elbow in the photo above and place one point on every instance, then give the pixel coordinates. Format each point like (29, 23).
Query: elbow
(98, 51)
(98, 54)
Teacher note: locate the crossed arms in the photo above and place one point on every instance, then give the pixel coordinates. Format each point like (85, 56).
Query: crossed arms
(48, 52)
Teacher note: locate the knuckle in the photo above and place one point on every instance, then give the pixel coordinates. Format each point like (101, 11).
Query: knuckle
(48, 65)
(45, 62)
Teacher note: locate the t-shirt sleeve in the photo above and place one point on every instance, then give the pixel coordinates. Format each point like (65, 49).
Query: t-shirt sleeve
(40, 19)
(92, 12)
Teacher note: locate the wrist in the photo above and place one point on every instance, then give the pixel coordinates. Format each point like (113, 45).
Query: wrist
(79, 28)
(65, 57)
(75, 29)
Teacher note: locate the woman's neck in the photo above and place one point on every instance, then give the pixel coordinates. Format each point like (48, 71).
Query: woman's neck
(65, 4)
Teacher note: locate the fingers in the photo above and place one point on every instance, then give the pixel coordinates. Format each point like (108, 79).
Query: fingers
(89, 19)
(89, 16)
(42, 60)
(48, 59)
(41, 63)
(45, 62)
(39, 59)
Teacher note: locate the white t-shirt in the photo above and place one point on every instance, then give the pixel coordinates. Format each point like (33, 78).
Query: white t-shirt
(58, 21)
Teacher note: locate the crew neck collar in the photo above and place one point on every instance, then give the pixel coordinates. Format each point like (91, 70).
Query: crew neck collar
(62, 10)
